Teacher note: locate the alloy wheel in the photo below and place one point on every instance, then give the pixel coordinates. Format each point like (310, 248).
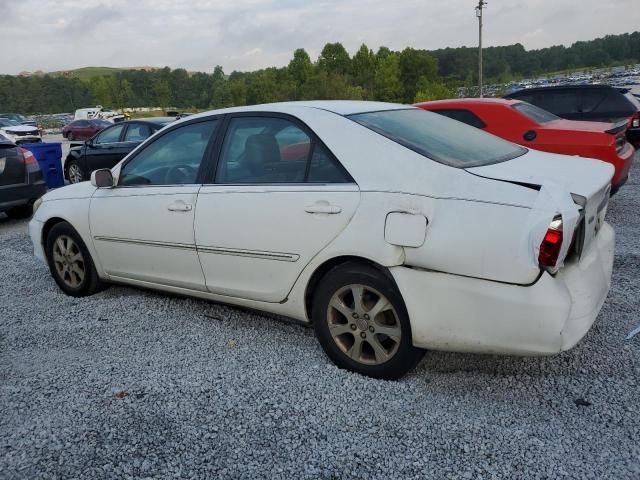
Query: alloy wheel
(74, 173)
(364, 324)
(68, 261)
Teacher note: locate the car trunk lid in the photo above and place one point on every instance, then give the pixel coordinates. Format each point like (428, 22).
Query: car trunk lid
(587, 180)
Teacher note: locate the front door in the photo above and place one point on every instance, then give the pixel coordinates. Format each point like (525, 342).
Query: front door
(278, 198)
(106, 149)
(143, 228)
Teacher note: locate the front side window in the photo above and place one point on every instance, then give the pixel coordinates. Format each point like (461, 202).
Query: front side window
(136, 132)
(439, 138)
(110, 135)
(259, 150)
(172, 159)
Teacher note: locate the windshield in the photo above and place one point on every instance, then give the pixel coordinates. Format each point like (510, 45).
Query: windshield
(5, 122)
(440, 138)
(534, 113)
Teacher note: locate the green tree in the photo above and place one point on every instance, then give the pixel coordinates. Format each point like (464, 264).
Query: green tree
(363, 67)
(415, 64)
(300, 66)
(162, 92)
(429, 90)
(387, 83)
(334, 59)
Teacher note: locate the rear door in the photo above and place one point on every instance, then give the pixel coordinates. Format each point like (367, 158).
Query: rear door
(277, 198)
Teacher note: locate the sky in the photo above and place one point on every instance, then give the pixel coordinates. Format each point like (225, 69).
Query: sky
(53, 35)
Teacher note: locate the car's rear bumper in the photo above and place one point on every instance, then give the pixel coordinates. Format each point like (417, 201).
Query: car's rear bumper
(15, 196)
(450, 312)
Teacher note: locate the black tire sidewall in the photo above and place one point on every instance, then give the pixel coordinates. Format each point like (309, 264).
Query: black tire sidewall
(90, 281)
(407, 355)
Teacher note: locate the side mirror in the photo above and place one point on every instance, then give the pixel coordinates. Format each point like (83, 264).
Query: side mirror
(102, 178)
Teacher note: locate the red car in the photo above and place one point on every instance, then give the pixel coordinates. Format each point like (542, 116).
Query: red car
(83, 129)
(531, 126)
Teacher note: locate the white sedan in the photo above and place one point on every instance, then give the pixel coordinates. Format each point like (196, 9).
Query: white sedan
(392, 229)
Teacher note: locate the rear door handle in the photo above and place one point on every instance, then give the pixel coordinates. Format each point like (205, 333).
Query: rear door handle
(323, 207)
(179, 206)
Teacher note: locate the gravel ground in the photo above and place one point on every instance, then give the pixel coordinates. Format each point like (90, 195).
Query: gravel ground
(133, 384)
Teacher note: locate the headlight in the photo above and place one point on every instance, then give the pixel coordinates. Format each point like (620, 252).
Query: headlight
(36, 205)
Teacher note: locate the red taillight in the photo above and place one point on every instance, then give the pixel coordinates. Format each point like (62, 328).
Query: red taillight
(551, 244)
(28, 158)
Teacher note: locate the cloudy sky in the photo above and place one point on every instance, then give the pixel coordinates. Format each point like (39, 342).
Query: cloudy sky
(54, 35)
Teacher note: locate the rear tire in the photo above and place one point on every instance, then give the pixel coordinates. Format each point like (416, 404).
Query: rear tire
(362, 323)
(70, 137)
(70, 262)
(23, 211)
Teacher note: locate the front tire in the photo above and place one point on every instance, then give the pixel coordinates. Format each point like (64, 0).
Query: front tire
(70, 262)
(73, 172)
(362, 323)
(71, 137)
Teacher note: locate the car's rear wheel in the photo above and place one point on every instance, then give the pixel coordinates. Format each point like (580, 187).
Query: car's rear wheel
(70, 262)
(23, 211)
(362, 323)
(74, 172)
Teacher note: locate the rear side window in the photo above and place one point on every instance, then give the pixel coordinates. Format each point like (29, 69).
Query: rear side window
(617, 104)
(561, 102)
(464, 116)
(440, 138)
(136, 132)
(270, 150)
(534, 113)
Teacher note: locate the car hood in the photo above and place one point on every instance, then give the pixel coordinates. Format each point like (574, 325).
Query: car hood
(579, 175)
(20, 128)
(76, 190)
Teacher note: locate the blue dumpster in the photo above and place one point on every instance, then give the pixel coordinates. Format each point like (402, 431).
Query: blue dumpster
(49, 156)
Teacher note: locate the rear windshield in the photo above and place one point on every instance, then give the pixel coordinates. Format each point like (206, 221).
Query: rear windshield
(534, 113)
(440, 138)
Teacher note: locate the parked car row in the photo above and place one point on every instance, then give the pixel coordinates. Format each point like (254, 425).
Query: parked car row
(390, 228)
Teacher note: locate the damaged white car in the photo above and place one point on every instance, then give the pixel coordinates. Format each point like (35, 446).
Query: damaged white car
(392, 229)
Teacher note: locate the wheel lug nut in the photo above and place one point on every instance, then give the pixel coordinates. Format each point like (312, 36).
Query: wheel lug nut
(366, 317)
(354, 315)
(371, 329)
(353, 326)
(363, 335)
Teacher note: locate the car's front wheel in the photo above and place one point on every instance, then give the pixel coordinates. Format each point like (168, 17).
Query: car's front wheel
(362, 323)
(70, 262)
(74, 172)
(71, 137)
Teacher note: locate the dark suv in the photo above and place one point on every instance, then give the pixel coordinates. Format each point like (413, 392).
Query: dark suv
(595, 103)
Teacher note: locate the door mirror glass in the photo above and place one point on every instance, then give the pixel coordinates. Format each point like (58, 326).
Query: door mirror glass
(102, 178)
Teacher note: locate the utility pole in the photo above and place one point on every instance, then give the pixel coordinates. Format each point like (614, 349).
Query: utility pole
(479, 8)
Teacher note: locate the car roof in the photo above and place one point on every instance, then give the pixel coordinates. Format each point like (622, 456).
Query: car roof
(452, 102)
(154, 120)
(340, 107)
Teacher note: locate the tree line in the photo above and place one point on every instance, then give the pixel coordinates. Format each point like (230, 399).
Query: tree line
(405, 76)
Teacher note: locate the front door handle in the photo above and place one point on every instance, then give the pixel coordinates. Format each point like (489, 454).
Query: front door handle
(179, 206)
(323, 207)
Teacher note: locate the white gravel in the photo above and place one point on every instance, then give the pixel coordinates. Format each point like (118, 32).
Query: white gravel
(134, 384)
